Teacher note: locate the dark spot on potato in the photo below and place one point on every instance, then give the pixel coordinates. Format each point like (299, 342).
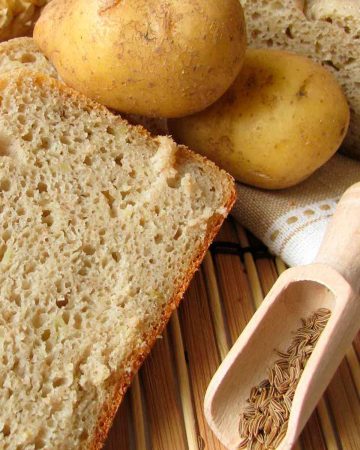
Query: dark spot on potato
(269, 99)
(259, 81)
(251, 82)
(226, 144)
(148, 36)
(269, 80)
(302, 92)
(230, 97)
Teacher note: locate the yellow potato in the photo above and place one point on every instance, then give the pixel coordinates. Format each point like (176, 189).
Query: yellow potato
(283, 118)
(165, 58)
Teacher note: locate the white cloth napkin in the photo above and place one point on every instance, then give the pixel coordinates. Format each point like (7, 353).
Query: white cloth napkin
(292, 222)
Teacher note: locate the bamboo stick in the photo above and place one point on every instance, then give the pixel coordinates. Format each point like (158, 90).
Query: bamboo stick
(137, 410)
(250, 266)
(119, 436)
(184, 383)
(354, 366)
(357, 345)
(327, 425)
(280, 265)
(312, 437)
(267, 273)
(215, 306)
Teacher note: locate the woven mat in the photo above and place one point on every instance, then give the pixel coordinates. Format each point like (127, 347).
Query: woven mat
(163, 409)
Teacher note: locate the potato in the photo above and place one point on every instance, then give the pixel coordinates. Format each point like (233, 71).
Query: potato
(165, 58)
(283, 118)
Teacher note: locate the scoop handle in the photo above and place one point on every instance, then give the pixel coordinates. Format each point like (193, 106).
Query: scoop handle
(340, 248)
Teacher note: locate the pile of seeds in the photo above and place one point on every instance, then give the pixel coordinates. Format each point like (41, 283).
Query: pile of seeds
(264, 422)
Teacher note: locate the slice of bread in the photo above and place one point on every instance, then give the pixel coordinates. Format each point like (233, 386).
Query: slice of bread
(326, 30)
(21, 53)
(102, 228)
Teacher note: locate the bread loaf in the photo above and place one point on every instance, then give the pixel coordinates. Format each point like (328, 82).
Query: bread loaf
(326, 30)
(102, 228)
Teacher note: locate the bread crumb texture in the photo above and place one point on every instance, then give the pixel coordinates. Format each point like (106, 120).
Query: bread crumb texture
(21, 53)
(99, 226)
(326, 30)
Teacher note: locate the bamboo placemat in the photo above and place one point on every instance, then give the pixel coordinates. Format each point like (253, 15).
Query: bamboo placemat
(163, 410)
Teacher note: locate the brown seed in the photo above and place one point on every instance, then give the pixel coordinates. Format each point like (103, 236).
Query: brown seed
(264, 384)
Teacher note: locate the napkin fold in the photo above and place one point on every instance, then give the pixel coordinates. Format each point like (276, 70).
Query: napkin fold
(292, 222)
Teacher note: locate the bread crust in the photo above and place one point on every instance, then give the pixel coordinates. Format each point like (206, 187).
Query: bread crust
(116, 393)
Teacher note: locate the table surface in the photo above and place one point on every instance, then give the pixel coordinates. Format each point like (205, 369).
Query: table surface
(163, 410)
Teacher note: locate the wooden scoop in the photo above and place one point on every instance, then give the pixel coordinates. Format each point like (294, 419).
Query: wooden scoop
(332, 282)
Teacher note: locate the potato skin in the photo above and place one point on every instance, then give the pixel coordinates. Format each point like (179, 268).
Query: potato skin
(164, 58)
(283, 117)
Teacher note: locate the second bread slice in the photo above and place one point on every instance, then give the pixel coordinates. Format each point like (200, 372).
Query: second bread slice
(23, 53)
